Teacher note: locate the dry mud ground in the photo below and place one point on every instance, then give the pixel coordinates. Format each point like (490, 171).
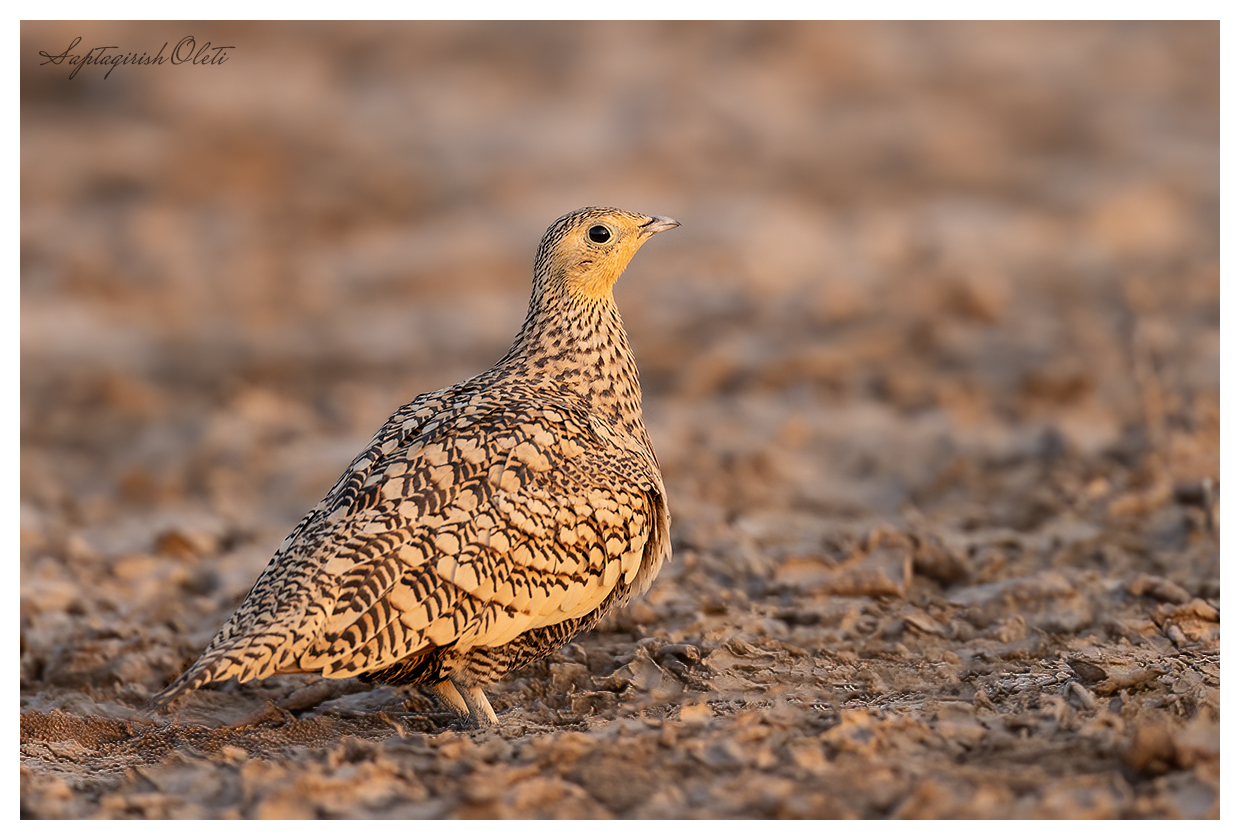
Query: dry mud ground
(932, 367)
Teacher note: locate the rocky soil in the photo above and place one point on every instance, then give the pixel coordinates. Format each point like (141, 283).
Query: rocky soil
(932, 367)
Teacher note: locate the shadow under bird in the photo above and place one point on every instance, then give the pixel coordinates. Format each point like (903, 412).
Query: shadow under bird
(485, 524)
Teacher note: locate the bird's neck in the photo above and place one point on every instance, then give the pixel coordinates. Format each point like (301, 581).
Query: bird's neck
(577, 345)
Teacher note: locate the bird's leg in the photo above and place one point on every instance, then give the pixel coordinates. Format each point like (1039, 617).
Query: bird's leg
(480, 711)
(450, 697)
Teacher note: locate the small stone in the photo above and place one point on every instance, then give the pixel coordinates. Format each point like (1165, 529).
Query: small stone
(696, 713)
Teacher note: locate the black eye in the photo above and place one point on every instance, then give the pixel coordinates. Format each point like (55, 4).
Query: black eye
(598, 233)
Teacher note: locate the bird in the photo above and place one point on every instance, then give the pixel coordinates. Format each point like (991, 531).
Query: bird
(485, 524)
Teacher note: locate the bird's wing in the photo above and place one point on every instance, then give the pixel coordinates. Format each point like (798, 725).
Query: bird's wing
(524, 520)
(466, 521)
(289, 602)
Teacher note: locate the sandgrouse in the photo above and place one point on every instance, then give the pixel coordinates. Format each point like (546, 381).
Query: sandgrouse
(485, 524)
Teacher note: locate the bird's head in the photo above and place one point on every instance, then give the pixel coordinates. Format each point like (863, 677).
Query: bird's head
(587, 250)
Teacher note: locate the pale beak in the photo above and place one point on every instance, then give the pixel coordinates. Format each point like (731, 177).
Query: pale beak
(658, 224)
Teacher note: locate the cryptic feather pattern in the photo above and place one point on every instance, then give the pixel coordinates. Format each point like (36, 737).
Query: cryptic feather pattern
(485, 524)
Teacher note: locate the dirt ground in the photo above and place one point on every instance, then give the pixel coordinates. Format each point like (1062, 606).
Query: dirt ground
(932, 367)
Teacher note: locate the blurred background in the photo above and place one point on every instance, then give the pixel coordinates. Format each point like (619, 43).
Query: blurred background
(960, 278)
(971, 228)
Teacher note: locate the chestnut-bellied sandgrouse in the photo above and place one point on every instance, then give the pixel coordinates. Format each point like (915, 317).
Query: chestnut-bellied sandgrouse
(485, 524)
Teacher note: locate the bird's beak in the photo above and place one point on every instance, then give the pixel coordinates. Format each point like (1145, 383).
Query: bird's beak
(658, 224)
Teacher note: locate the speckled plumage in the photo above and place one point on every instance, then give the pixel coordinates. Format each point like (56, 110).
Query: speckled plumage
(485, 524)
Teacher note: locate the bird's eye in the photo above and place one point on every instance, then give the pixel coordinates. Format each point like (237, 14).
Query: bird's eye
(598, 233)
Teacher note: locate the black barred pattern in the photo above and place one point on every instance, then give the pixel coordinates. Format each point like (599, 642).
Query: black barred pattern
(485, 524)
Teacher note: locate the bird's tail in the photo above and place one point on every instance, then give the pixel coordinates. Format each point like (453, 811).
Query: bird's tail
(258, 657)
(172, 696)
